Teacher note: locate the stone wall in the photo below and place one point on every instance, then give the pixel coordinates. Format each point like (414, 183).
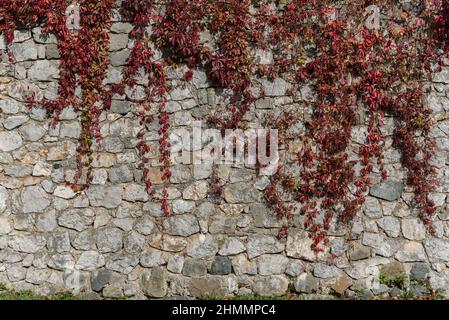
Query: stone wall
(112, 240)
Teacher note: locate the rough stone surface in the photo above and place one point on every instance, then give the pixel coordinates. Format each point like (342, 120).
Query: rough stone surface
(34, 199)
(298, 246)
(271, 285)
(261, 244)
(221, 265)
(112, 239)
(413, 229)
(410, 252)
(232, 246)
(388, 190)
(10, 141)
(437, 249)
(184, 225)
(306, 283)
(154, 282)
(271, 264)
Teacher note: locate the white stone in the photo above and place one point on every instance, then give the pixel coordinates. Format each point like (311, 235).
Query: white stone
(10, 141)
(413, 229)
(42, 169)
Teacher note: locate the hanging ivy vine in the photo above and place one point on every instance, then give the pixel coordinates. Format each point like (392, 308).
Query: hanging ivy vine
(321, 44)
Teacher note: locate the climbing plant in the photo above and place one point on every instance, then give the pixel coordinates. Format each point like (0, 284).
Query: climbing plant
(352, 61)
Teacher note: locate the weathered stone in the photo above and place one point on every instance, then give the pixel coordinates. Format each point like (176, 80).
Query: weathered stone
(120, 106)
(103, 160)
(223, 224)
(232, 246)
(381, 246)
(242, 265)
(41, 37)
(27, 243)
(410, 252)
(43, 70)
(205, 210)
(203, 286)
(37, 276)
(277, 87)
(16, 272)
(437, 249)
(64, 192)
(152, 258)
(24, 51)
(196, 191)
(135, 192)
(389, 190)
(145, 226)
(10, 141)
(102, 196)
(113, 144)
(5, 226)
(294, 267)
(241, 192)
(298, 246)
(113, 290)
(59, 242)
(202, 247)
(122, 262)
(392, 269)
(34, 199)
(14, 121)
(32, 132)
(46, 222)
(263, 218)
(61, 261)
(180, 174)
(269, 264)
(134, 242)
(419, 271)
(119, 58)
(322, 270)
(390, 225)
(42, 169)
(306, 283)
(194, 268)
(154, 283)
(121, 27)
(70, 130)
(77, 219)
(100, 278)
(52, 52)
(17, 171)
(221, 266)
(109, 240)
(441, 76)
(118, 41)
(61, 151)
(175, 263)
(413, 229)
(181, 225)
(99, 176)
(180, 93)
(173, 244)
(3, 199)
(342, 284)
(180, 206)
(271, 285)
(120, 174)
(358, 251)
(90, 260)
(84, 240)
(262, 244)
